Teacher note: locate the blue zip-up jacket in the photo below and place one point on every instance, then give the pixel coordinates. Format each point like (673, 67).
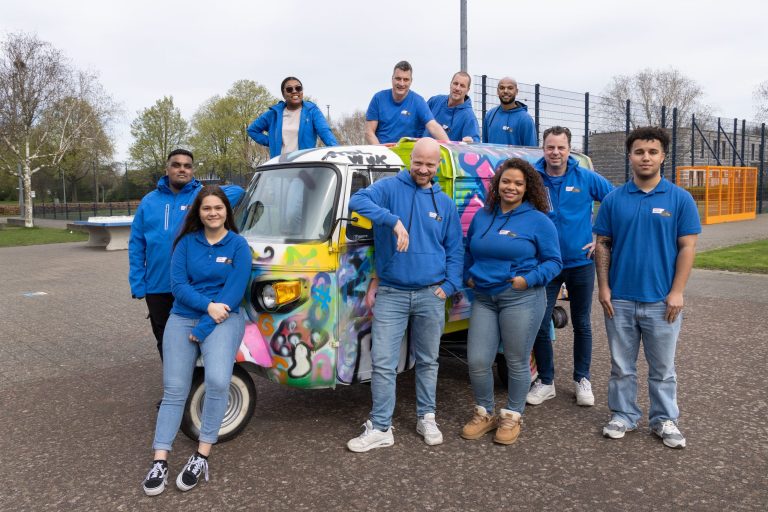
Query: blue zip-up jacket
(513, 127)
(435, 251)
(458, 122)
(500, 246)
(157, 221)
(311, 126)
(202, 273)
(572, 205)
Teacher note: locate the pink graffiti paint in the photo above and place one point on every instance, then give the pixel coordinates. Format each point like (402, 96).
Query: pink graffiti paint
(257, 346)
(473, 205)
(471, 158)
(322, 368)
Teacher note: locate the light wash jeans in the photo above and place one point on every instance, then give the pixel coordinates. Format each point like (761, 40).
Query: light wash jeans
(179, 356)
(580, 282)
(631, 323)
(515, 317)
(393, 312)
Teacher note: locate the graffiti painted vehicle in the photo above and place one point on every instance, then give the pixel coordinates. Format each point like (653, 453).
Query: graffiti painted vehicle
(308, 325)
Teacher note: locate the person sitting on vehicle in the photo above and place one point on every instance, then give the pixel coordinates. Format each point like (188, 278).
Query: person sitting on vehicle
(292, 124)
(210, 268)
(512, 252)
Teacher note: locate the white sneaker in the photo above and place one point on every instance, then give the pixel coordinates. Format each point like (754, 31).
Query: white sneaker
(540, 392)
(669, 433)
(584, 394)
(371, 438)
(427, 428)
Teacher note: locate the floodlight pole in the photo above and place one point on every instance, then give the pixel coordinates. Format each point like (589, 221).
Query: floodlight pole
(463, 31)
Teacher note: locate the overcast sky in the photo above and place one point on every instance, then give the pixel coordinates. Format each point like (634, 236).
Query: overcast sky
(343, 51)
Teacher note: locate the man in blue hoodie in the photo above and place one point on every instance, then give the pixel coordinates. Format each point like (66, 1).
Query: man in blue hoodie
(399, 112)
(509, 123)
(454, 111)
(419, 262)
(155, 225)
(573, 191)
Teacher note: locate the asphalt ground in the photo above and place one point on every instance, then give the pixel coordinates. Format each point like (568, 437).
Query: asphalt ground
(80, 376)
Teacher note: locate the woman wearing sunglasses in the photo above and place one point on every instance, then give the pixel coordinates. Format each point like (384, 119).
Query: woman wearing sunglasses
(291, 124)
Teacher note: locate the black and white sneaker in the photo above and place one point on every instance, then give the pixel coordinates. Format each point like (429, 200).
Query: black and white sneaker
(156, 479)
(188, 478)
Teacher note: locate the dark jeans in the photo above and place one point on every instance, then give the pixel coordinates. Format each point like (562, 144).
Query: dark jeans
(580, 282)
(159, 306)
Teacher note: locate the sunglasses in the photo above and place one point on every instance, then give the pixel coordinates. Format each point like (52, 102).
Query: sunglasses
(179, 165)
(291, 89)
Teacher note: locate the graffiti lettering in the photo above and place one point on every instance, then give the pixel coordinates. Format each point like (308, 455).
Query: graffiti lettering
(269, 253)
(292, 255)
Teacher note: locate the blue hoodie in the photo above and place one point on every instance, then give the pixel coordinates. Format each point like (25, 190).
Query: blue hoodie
(312, 125)
(572, 201)
(434, 252)
(513, 127)
(458, 122)
(202, 273)
(155, 225)
(500, 246)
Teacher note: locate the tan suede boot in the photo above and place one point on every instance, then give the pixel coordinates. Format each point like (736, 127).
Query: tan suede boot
(509, 427)
(480, 424)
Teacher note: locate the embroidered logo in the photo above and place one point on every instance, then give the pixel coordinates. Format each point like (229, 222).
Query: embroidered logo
(573, 189)
(506, 232)
(662, 212)
(506, 128)
(404, 113)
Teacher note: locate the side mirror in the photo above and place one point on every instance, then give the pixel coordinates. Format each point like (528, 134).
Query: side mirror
(361, 222)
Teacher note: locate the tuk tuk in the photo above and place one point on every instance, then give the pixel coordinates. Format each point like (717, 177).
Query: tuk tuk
(307, 322)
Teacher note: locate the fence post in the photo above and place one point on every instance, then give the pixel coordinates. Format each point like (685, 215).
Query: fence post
(129, 207)
(735, 141)
(761, 181)
(484, 102)
(674, 145)
(663, 125)
(586, 123)
(79, 211)
(717, 149)
(537, 96)
(743, 140)
(693, 139)
(626, 134)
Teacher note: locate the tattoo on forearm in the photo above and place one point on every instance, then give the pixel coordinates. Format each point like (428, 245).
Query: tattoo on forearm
(602, 258)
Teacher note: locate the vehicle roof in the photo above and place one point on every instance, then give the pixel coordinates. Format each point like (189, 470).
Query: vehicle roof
(344, 155)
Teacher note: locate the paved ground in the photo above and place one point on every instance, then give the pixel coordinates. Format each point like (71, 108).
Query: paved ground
(79, 378)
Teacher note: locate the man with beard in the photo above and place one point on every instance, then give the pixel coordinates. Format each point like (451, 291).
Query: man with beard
(509, 123)
(454, 111)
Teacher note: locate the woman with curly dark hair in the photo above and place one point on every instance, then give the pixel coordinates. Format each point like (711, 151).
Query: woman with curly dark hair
(512, 251)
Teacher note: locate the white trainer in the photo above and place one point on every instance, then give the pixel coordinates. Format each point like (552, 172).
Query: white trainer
(540, 392)
(371, 438)
(427, 428)
(584, 394)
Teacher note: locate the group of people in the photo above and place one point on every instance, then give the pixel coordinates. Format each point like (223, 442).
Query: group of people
(534, 233)
(295, 123)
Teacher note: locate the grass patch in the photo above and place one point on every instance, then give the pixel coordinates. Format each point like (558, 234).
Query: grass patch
(751, 258)
(12, 236)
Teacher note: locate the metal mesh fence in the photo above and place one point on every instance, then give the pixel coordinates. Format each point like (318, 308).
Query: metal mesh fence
(599, 126)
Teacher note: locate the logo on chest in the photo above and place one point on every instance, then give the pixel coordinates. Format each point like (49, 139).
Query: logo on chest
(662, 212)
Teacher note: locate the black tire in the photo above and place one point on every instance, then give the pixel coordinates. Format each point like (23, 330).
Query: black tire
(501, 369)
(240, 405)
(559, 317)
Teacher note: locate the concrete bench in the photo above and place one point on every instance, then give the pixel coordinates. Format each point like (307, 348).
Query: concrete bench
(112, 233)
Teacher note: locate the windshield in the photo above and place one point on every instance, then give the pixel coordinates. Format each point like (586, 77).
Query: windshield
(289, 204)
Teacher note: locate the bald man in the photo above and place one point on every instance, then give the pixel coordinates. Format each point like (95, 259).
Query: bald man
(509, 123)
(419, 259)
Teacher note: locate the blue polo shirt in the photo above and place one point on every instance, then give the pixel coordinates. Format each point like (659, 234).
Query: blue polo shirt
(397, 120)
(644, 228)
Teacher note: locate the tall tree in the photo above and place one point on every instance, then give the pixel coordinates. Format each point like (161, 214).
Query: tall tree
(761, 101)
(41, 108)
(350, 129)
(157, 131)
(648, 90)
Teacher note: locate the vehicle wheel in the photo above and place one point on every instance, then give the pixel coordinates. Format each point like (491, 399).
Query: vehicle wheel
(559, 317)
(501, 369)
(240, 405)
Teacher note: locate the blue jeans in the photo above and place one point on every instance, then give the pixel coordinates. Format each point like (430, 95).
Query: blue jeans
(179, 357)
(631, 323)
(580, 282)
(514, 316)
(392, 312)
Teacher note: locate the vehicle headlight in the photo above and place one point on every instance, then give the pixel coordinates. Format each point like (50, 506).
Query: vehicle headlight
(278, 295)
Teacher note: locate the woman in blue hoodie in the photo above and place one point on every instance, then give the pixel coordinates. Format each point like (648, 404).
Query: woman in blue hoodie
(210, 268)
(291, 124)
(512, 251)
